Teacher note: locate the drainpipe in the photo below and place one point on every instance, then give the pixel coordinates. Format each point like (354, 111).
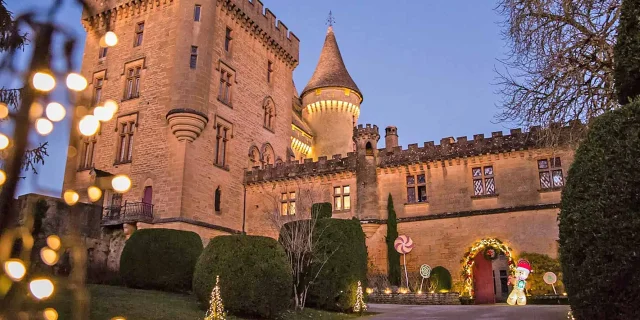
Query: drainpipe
(244, 208)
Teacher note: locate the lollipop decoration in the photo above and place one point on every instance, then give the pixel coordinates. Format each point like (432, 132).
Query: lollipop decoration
(551, 278)
(425, 272)
(404, 245)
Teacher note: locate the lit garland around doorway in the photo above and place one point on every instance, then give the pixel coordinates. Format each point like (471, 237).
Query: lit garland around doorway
(467, 260)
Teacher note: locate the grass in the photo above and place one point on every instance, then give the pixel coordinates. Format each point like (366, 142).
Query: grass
(109, 301)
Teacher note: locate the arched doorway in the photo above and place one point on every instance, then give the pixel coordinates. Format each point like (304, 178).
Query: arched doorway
(481, 282)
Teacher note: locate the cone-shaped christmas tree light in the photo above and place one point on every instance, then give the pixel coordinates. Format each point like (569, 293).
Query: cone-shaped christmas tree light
(216, 308)
(360, 306)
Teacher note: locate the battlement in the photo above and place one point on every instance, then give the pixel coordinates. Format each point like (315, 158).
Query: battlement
(263, 23)
(450, 148)
(367, 131)
(294, 169)
(251, 14)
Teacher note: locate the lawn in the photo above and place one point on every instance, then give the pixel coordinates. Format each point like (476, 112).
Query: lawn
(132, 304)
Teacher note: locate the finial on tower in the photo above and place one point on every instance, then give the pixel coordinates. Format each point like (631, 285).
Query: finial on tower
(330, 20)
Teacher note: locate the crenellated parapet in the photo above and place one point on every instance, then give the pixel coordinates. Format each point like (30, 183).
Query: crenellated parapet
(366, 132)
(262, 23)
(104, 11)
(450, 148)
(294, 169)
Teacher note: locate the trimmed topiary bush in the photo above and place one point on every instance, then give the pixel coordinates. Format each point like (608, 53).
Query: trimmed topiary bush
(599, 221)
(343, 241)
(161, 259)
(321, 210)
(541, 264)
(442, 277)
(254, 275)
(627, 52)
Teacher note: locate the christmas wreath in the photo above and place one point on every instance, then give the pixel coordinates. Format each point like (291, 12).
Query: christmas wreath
(491, 253)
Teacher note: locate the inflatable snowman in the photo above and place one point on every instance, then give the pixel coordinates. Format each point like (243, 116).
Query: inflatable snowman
(523, 269)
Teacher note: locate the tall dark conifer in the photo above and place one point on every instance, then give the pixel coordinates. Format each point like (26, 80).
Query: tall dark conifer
(627, 52)
(392, 254)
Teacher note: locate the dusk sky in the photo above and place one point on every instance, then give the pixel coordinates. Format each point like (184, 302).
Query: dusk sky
(423, 66)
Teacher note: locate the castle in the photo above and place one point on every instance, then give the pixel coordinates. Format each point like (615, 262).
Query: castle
(216, 140)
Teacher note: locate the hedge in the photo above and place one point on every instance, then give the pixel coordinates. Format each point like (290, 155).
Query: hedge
(254, 275)
(600, 219)
(161, 259)
(541, 264)
(343, 241)
(321, 210)
(442, 277)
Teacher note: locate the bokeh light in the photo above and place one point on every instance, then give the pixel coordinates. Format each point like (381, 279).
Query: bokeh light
(89, 125)
(121, 183)
(15, 269)
(50, 314)
(4, 110)
(110, 38)
(94, 193)
(54, 242)
(71, 197)
(48, 256)
(44, 126)
(111, 105)
(55, 112)
(43, 81)
(3, 177)
(4, 141)
(102, 113)
(41, 288)
(76, 82)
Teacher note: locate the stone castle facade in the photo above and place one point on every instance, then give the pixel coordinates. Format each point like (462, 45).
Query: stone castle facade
(216, 140)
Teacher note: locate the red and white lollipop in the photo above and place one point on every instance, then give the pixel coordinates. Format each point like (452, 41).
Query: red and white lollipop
(403, 244)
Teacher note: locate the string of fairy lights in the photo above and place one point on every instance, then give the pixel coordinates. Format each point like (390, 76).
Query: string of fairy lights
(40, 80)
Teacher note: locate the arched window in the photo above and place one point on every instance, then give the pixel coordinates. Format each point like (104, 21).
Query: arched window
(148, 195)
(254, 157)
(269, 113)
(369, 149)
(268, 156)
(216, 202)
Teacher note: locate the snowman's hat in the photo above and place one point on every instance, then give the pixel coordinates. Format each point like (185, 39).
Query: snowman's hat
(524, 265)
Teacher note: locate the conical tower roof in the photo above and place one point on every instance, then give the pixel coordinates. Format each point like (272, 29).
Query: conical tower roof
(331, 71)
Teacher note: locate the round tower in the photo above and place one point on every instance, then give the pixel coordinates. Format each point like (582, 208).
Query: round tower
(366, 140)
(331, 102)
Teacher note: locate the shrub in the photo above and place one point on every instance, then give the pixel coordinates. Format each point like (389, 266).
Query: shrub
(541, 264)
(393, 257)
(254, 275)
(600, 219)
(321, 210)
(343, 241)
(160, 259)
(627, 52)
(441, 277)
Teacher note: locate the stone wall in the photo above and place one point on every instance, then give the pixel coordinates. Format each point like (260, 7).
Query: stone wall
(450, 298)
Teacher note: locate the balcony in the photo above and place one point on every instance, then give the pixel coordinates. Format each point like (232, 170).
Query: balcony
(130, 212)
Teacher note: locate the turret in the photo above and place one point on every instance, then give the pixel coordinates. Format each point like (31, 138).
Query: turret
(390, 138)
(331, 102)
(366, 140)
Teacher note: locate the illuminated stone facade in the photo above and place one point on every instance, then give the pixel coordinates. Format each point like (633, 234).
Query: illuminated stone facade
(217, 140)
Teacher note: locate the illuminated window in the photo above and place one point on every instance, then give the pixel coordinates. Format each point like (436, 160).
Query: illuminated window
(341, 198)
(288, 203)
(483, 181)
(416, 188)
(550, 171)
(137, 40)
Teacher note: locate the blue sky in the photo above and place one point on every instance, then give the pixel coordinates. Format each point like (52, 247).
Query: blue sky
(423, 66)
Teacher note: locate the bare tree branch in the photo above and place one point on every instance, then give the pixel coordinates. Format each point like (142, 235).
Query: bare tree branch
(560, 64)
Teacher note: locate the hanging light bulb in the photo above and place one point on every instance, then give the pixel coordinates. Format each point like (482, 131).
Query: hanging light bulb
(4, 141)
(76, 82)
(110, 38)
(41, 288)
(89, 125)
(55, 112)
(44, 126)
(43, 81)
(121, 183)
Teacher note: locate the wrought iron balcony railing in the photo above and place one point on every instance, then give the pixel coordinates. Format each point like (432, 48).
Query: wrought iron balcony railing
(130, 212)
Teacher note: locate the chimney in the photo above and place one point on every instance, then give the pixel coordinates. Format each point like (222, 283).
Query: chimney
(391, 138)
